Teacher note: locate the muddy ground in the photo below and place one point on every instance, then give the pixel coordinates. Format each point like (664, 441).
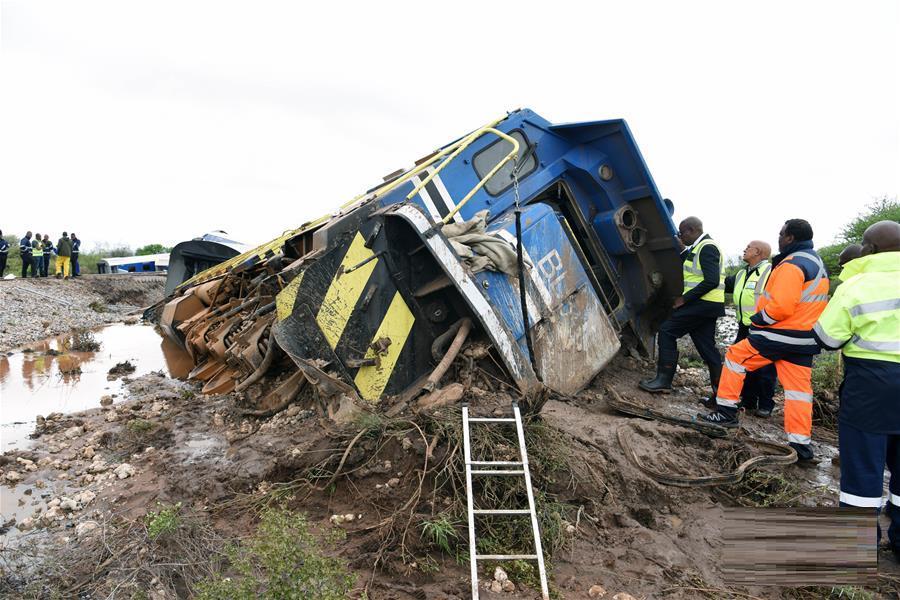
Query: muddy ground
(34, 309)
(86, 494)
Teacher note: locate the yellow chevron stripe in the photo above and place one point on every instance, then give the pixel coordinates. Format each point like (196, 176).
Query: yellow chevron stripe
(284, 301)
(345, 290)
(396, 325)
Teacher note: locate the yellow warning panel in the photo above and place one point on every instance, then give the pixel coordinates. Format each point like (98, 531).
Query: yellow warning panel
(345, 290)
(284, 301)
(396, 325)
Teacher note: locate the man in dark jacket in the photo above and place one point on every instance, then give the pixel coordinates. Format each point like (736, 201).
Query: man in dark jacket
(4, 252)
(63, 255)
(695, 311)
(25, 254)
(76, 250)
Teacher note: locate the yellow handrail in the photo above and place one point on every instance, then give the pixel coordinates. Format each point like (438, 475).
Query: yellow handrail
(514, 152)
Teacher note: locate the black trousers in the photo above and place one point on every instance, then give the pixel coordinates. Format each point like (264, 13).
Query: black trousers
(696, 320)
(3, 256)
(27, 262)
(45, 265)
(759, 385)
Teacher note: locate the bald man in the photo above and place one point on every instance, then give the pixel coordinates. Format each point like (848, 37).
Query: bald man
(695, 311)
(745, 286)
(863, 320)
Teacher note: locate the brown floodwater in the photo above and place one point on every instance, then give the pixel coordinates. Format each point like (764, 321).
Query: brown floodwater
(41, 381)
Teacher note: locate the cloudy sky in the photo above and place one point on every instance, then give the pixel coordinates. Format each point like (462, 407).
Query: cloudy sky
(141, 122)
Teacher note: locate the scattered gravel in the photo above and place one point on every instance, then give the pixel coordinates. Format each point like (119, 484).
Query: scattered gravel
(35, 309)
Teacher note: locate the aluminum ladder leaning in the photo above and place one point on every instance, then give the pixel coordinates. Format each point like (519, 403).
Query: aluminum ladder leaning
(506, 468)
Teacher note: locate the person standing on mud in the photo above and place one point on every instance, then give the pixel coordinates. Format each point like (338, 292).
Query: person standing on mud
(863, 320)
(63, 254)
(757, 395)
(47, 249)
(4, 254)
(25, 255)
(695, 311)
(37, 256)
(76, 250)
(781, 333)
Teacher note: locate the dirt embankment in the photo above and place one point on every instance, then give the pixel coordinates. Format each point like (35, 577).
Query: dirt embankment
(92, 494)
(35, 309)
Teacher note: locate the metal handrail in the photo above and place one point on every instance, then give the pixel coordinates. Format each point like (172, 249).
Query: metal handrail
(466, 142)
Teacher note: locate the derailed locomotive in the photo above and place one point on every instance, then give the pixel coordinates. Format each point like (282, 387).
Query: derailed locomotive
(374, 302)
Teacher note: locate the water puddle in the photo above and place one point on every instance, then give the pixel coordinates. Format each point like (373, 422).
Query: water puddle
(51, 378)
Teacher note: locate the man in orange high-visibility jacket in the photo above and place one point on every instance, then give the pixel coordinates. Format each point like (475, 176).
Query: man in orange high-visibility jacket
(781, 333)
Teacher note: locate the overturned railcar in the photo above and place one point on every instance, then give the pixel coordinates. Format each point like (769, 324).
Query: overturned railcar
(375, 301)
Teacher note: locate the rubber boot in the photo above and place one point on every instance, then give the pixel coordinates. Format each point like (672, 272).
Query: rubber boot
(662, 383)
(804, 451)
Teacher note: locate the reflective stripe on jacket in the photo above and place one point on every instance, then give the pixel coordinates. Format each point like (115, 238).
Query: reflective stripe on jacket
(748, 286)
(863, 317)
(4, 246)
(693, 273)
(793, 298)
(25, 247)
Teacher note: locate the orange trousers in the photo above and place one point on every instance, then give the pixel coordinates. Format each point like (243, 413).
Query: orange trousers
(795, 379)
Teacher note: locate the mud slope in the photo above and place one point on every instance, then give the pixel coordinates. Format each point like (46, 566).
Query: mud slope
(94, 475)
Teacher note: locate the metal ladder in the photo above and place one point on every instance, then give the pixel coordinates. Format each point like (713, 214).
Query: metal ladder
(484, 468)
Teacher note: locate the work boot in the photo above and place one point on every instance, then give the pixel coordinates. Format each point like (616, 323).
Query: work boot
(662, 383)
(804, 451)
(723, 417)
(748, 404)
(763, 413)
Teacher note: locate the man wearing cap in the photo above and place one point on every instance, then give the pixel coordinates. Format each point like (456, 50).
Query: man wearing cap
(63, 255)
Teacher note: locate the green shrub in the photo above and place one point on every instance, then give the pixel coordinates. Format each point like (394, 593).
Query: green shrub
(82, 340)
(827, 372)
(282, 560)
(139, 426)
(151, 249)
(165, 521)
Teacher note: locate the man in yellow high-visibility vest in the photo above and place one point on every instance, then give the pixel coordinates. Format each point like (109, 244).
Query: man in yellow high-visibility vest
(745, 287)
(863, 320)
(695, 311)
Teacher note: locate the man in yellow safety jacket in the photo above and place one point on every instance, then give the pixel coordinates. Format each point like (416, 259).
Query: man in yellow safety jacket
(695, 311)
(745, 288)
(863, 320)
